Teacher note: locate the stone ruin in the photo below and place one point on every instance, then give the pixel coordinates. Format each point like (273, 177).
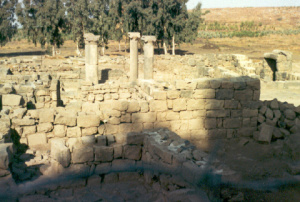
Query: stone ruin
(62, 129)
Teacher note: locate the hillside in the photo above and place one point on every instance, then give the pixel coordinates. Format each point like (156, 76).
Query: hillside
(287, 17)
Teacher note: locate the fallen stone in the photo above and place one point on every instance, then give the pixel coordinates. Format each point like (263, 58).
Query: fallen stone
(265, 134)
(289, 114)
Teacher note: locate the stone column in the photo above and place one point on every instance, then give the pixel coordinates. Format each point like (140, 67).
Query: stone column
(148, 56)
(91, 57)
(134, 36)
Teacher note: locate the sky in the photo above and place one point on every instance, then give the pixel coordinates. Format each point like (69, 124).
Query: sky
(242, 3)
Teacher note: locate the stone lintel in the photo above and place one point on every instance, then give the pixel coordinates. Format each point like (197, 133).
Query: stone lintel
(134, 35)
(89, 37)
(148, 39)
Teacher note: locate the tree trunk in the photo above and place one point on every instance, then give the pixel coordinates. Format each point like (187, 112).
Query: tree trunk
(125, 45)
(103, 50)
(103, 46)
(53, 50)
(165, 49)
(173, 44)
(120, 46)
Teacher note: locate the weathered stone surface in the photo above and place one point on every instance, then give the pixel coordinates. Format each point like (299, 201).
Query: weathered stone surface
(43, 127)
(132, 152)
(19, 113)
(224, 94)
(89, 131)
(265, 134)
(158, 105)
(23, 122)
(87, 121)
(134, 138)
(88, 140)
(73, 132)
(37, 139)
(269, 113)
(214, 104)
(6, 154)
(65, 120)
(11, 100)
(289, 114)
(144, 117)
(104, 154)
(46, 115)
(60, 152)
(193, 104)
(292, 145)
(59, 130)
(82, 154)
(204, 94)
(232, 123)
(179, 104)
(274, 104)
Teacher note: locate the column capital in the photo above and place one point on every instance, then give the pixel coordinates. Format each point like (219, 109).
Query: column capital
(134, 35)
(147, 39)
(89, 37)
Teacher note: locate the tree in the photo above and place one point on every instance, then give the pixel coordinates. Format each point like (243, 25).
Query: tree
(78, 20)
(7, 26)
(43, 20)
(101, 23)
(168, 20)
(116, 16)
(190, 32)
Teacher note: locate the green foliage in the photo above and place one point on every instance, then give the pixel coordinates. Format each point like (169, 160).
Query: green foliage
(7, 26)
(77, 20)
(209, 34)
(43, 20)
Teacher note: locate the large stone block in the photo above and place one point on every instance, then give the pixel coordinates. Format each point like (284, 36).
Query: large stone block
(46, 115)
(60, 152)
(134, 138)
(205, 94)
(224, 94)
(171, 116)
(265, 134)
(23, 122)
(243, 95)
(218, 113)
(59, 130)
(43, 127)
(73, 132)
(193, 104)
(89, 131)
(82, 154)
(120, 105)
(86, 121)
(149, 117)
(11, 100)
(133, 106)
(196, 124)
(132, 152)
(6, 155)
(37, 139)
(214, 104)
(104, 154)
(179, 104)
(158, 105)
(250, 113)
(90, 107)
(65, 120)
(232, 123)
